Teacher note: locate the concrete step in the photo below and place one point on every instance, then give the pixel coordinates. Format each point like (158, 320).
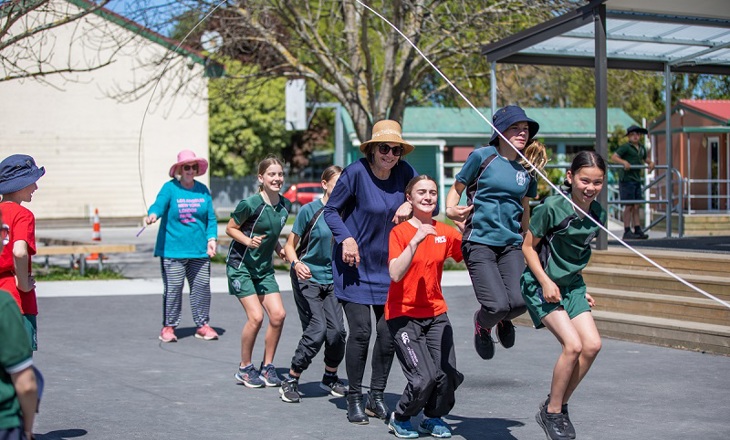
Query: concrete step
(684, 262)
(661, 306)
(655, 282)
(709, 338)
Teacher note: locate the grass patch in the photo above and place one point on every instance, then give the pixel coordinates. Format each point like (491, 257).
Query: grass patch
(58, 273)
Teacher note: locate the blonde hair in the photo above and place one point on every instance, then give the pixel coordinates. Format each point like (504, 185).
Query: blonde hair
(536, 153)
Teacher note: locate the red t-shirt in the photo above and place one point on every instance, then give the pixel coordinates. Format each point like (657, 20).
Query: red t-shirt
(21, 224)
(418, 294)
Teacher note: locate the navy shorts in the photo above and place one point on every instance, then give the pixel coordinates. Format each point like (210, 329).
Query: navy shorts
(630, 191)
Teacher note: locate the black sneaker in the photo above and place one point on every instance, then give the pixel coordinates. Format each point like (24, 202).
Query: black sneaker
(640, 234)
(552, 424)
(483, 340)
(289, 391)
(569, 429)
(628, 235)
(506, 333)
(333, 385)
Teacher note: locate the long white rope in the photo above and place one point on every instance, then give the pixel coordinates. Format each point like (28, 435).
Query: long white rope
(456, 89)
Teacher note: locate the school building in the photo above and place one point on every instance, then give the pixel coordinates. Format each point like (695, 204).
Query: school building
(444, 137)
(100, 150)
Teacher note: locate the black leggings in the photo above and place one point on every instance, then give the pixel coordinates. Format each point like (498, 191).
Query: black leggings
(358, 340)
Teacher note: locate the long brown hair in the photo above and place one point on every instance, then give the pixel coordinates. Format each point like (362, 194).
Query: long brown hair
(330, 172)
(265, 164)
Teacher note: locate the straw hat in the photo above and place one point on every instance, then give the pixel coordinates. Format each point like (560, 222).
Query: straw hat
(387, 131)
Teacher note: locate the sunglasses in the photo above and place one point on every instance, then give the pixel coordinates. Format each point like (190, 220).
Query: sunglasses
(189, 167)
(385, 148)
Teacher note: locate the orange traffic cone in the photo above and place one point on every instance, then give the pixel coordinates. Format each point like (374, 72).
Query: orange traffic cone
(95, 234)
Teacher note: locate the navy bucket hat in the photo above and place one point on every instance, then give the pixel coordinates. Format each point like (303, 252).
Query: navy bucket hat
(17, 172)
(507, 116)
(636, 129)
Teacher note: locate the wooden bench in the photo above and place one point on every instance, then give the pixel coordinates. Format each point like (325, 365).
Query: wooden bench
(82, 250)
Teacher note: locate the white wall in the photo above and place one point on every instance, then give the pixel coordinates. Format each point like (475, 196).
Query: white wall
(88, 141)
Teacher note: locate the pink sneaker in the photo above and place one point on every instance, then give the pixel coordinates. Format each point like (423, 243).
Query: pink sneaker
(206, 332)
(168, 334)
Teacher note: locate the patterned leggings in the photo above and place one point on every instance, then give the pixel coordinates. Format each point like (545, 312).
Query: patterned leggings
(174, 272)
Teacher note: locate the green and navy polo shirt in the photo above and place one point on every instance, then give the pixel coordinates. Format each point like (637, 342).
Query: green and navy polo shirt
(568, 237)
(318, 253)
(635, 156)
(255, 217)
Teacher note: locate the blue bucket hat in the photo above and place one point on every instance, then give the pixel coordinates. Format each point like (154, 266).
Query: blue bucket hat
(507, 116)
(17, 172)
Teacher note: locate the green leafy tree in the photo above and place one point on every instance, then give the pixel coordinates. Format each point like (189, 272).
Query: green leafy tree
(245, 125)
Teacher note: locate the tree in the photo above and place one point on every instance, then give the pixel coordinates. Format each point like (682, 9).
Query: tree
(27, 45)
(350, 55)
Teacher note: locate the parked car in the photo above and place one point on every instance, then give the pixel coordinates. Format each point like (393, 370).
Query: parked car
(302, 193)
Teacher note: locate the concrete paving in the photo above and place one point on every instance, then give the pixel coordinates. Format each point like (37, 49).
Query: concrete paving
(109, 377)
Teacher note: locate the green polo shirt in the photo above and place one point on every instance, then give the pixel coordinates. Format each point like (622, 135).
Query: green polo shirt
(15, 356)
(318, 254)
(635, 155)
(255, 217)
(570, 248)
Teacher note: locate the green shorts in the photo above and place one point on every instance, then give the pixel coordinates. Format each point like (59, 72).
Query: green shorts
(242, 284)
(31, 327)
(573, 298)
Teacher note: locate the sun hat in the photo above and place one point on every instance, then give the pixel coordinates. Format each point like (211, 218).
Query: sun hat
(187, 156)
(636, 129)
(387, 131)
(507, 116)
(17, 172)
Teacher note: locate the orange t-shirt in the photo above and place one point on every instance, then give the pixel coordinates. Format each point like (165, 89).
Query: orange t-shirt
(418, 294)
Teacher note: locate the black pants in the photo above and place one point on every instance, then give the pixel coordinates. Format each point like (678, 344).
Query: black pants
(322, 324)
(425, 349)
(495, 272)
(358, 340)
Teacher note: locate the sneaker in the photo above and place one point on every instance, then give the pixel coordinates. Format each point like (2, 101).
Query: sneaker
(506, 333)
(483, 340)
(334, 386)
(168, 334)
(249, 376)
(640, 234)
(435, 426)
(289, 391)
(628, 235)
(552, 424)
(206, 332)
(401, 429)
(569, 429)
(269, 377)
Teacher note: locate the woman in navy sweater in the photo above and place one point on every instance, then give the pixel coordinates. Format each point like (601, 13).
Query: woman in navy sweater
(366, 203)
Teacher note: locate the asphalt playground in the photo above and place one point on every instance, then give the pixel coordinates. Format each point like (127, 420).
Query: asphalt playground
(108, 376)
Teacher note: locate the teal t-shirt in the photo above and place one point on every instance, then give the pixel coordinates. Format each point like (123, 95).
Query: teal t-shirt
(187, 220)
(15, 356)
(255, 217)
(570, 247)
(496, 187)
(318, 254)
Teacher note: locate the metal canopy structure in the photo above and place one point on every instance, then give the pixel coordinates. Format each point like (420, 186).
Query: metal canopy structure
(690, 37)
(677, 36)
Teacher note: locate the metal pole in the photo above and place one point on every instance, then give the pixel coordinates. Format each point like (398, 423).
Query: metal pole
(493, 87)
(601, 73)
(339, 158)
(668, 143)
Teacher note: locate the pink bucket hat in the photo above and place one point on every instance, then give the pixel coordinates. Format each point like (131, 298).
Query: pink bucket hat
(188, 156)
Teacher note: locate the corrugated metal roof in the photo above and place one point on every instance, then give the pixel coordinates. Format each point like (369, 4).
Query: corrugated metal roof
(719, 108)
(430, 122)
